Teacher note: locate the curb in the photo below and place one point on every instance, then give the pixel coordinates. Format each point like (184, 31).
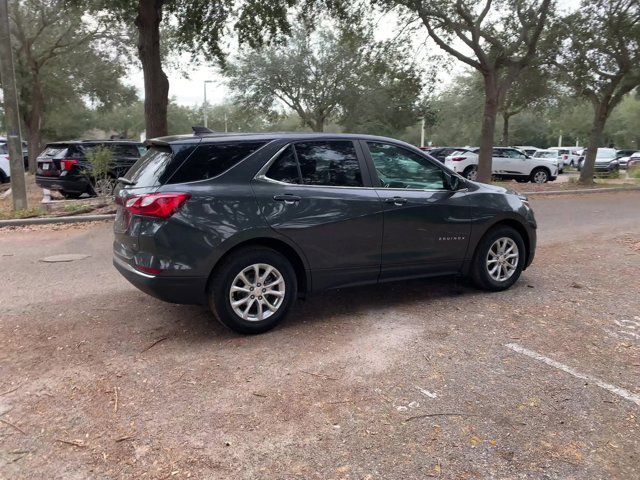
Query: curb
(586, 190)
(20, 222)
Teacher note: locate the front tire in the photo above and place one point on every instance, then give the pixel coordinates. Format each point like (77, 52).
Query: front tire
(252, 290)
(540, 175)
(498, 260)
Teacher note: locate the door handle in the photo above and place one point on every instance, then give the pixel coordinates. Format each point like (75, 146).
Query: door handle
(396, 200)
(287, 198)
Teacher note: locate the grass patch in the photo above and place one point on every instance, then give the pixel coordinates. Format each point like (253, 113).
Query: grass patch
(74, 208)
(25, 213)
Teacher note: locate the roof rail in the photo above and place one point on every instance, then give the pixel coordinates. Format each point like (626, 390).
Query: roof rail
(199, 130)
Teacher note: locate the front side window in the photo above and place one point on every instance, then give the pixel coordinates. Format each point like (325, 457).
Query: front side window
(329, 163)
(513, 154)
(398, 167)
(285, 168)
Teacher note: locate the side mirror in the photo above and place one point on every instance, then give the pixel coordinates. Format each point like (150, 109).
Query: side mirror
(454, 182)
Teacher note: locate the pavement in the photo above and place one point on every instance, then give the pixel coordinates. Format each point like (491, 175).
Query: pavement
(413, 380)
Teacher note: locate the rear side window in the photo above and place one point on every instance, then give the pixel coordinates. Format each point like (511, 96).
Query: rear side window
(211, 160)
(330, 163)
(157, 165)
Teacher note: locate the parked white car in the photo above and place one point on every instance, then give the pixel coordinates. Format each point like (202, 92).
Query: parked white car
(569, 155)
(5, 173)
(634, 161)
(528, 149)
(508, 164)
(552, 154)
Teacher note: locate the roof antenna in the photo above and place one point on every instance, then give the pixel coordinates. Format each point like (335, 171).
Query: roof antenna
(199, 130)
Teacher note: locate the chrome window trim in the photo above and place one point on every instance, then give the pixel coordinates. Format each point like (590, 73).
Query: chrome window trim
(261, 176)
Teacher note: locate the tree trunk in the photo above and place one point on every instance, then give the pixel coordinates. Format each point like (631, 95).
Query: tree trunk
(33, 122)
(491, 102)
(156, 84)
(318, 125)
(595, 137)
(505, 129)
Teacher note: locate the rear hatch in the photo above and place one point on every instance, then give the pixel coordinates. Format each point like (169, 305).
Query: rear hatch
(59, 157)
(149, 173)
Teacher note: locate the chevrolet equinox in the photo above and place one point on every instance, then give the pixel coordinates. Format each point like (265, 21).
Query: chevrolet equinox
(248, 222)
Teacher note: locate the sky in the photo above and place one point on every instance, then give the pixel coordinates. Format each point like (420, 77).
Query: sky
(189, 91)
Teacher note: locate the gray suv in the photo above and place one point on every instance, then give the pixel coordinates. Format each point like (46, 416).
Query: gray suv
(246, 223)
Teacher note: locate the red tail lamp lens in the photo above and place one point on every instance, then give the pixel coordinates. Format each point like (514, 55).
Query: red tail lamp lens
(149, 270)
(159, 205)
(67, 163)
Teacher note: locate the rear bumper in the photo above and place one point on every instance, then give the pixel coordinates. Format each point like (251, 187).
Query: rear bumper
(183, 290)
(72, 185)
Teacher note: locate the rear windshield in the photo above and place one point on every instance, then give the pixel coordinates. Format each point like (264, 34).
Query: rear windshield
(157, 165)
(58, 151)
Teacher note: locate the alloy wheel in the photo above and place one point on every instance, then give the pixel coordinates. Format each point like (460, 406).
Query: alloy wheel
(502, 259)
(472, 174)
(257, 292)
(540, 176)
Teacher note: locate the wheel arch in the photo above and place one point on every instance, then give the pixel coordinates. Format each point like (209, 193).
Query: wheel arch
(518, 227)
(541, 167)
(281, 246)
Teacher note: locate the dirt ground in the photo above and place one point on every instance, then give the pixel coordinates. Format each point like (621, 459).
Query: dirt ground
(415, 380)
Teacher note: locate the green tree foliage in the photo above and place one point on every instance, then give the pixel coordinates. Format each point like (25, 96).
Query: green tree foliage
(101, 162)
(600, 61)
(197, 26)
(329, 72)
(61, 61)
(498, 38)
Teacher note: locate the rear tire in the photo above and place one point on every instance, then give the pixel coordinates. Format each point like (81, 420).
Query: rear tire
(251, 303)
(470, 173)
(493, 268)
(3, 177)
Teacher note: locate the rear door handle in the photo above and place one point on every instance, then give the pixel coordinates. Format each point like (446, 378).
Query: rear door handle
(287, 198)
(396, 200)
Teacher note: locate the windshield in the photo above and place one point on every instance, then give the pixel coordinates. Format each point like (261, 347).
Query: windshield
(605, 154)
(546, 154)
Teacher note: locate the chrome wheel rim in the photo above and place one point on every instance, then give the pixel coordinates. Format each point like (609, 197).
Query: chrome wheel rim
(257, 292)
(540, 177)
(502, 259)
(472, 174)
(104, 187)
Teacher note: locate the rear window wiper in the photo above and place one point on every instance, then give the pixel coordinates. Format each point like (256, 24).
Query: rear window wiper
(126, 181)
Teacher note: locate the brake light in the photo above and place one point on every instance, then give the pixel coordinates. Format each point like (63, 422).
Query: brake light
(67, 163)
(160, 205)
(458, 159)
(149, 270)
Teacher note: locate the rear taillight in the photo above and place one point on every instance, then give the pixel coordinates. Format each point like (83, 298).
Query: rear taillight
(160, 205)
(67, 163)
(458, 159)
(149, 270)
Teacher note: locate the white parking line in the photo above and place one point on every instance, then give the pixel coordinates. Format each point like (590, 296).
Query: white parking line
(621, 392)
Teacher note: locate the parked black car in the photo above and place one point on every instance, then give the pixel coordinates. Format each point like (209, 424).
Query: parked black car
(441, 153)
(63, 166)
(247, 222)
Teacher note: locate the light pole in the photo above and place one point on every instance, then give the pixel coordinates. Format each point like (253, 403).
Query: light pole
(204, 106)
